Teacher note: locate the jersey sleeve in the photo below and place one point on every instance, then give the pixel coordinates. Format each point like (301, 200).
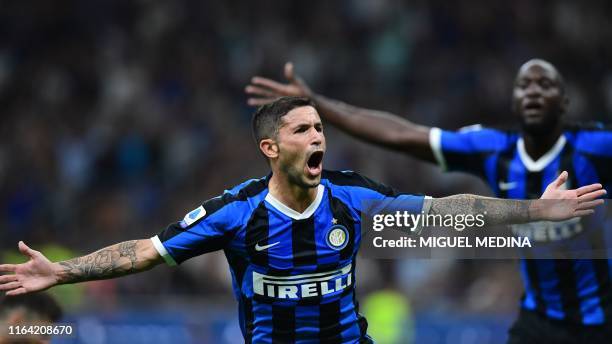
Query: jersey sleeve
(363, 194)
(466, 150)
(209, 227)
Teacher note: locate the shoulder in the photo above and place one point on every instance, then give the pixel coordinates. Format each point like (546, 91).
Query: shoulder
(247, 189)
(348, 179)
(246, 195)
(591, 138)
(478, 138)
(499, 134)
(591, 126)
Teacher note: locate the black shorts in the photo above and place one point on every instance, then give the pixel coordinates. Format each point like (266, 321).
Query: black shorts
(531, 327)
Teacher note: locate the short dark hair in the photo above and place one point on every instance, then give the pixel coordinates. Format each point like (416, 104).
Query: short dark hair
(41, 304)
(266, 120)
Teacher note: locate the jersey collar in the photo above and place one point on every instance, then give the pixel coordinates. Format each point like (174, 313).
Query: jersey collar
(544, 160)
(294, 214)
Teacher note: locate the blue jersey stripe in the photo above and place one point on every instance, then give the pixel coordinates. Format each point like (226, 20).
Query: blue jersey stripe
(307, 325)
(262, 323)
(280, 232)
(349, 320)
(588, 288)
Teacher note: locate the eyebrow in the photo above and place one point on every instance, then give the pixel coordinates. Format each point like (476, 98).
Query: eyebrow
(547, 77)
(300, 124)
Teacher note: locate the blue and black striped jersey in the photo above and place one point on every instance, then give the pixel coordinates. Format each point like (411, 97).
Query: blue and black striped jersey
(574, 290)
(293, 273)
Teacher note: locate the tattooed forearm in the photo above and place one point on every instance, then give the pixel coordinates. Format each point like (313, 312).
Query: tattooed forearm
(113, 261)
(495, 211)
(128, 249)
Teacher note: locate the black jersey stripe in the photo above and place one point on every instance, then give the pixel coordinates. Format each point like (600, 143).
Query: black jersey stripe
(257, 232)
(238, 266)
(342, 214)
(304, 242)
(283, 324)
(567, 164)
(361, 320)
(531, 269)
(602, 273)
(472, 162)
(570, 302)
(603, 168)
(533, 189)
(247, 309)
(502, 170)
(534, 185)
(565, 268)
(329, 323)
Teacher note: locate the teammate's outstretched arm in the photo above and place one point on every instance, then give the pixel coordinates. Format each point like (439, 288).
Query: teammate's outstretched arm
(556, 204)
(113, 261)
(377, 127)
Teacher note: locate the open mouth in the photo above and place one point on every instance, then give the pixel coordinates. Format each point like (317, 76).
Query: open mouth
(533, 106)
(315, 162)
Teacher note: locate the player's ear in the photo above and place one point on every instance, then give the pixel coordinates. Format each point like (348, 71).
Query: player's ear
(269, 148)
(565, 102)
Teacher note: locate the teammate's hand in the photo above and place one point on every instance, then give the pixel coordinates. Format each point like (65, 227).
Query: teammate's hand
(34, 275)
(263, 90)
(566, 204)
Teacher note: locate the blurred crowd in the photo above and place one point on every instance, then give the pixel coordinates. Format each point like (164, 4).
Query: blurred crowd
(118, 117)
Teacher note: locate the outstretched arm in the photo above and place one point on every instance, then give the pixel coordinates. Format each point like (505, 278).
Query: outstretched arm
(113, 261)
(374, 126)
(556, 204)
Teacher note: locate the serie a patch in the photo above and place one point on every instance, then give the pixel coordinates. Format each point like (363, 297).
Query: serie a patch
(193, 216)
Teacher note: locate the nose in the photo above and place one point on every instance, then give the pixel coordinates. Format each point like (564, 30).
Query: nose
(533, 90)
(317, 137)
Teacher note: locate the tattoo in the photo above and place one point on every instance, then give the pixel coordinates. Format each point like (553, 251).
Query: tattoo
(128, 249)
(496, 211)
(113, 261)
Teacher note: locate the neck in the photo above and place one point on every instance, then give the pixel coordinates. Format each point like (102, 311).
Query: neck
(294, 196)
(536, 146)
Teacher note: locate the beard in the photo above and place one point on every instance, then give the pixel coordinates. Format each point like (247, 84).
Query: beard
(303, 182)
(295, 174)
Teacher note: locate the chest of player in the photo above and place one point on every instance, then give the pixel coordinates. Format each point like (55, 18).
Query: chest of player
(281, 243)
(515, 178)
(300, 259)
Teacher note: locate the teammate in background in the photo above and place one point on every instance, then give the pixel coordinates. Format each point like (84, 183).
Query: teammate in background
(290, 238)
(25, 310)
(564, 299)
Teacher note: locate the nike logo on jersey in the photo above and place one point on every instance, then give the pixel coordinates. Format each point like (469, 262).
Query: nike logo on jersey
(265, 247)
(507, 186)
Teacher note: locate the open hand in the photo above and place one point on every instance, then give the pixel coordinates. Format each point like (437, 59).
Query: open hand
(263, 90)
(566, 204)
(34, 275)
